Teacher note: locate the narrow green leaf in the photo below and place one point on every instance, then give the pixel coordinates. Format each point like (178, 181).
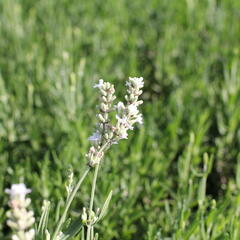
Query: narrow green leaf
(44, 218)
(238, 173)
(72, 230)
(105, 206)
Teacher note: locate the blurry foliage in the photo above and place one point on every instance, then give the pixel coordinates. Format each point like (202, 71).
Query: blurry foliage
(52, 52)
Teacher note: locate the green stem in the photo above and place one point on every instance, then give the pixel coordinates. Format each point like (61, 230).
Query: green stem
(69, 201)
(88, 232)
(93, 189)
(83, 233)
(92, 198)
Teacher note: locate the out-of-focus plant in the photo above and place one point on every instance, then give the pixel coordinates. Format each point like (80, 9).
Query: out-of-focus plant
(20, 220)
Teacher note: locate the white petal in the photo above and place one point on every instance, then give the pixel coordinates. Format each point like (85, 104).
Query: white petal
(99, 84)
(120, 107)
(137, 81)
(95, 138)
(139, 119)
(132, 108)
(18, 190)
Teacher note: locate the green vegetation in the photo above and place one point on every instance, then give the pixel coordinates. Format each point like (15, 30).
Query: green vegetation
(178, 176)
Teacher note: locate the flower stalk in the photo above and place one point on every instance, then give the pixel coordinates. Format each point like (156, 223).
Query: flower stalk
(107, 132)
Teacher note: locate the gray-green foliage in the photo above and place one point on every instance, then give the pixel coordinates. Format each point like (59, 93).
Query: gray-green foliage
(52, 52)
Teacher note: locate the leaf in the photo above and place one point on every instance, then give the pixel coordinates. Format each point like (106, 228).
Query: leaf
(105, 206)
(42, 227)
(72, 230)
(238, 173)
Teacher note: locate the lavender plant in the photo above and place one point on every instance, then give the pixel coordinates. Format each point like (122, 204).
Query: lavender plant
(114, 122)
(108, 133)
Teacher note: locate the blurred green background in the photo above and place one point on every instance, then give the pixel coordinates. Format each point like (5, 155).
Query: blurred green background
(51, 54)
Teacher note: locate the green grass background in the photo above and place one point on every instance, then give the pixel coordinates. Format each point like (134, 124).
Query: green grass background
(53, 51)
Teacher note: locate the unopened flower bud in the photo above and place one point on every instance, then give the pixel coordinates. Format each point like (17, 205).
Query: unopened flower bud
(84, 216)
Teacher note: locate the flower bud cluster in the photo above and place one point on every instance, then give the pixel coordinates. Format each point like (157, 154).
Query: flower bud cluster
(104, 128)
(69, 185)
(94, 155)
(20, 219)
(103, 131)
(89, 218)
(134, 86)
(126, 116)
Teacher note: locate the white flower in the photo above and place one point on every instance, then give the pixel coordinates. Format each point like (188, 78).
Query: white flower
(139, 119)
(18, 190)
(15, 237)
(120, 107)
(99, 84)
(30, 234)
(84, 216)
(124, 121)
(123, 134)
(95, 138)
(138, 82)
(132, 108)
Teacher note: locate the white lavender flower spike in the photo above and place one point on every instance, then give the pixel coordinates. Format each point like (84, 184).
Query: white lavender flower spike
(127, 114)
(136, 82)
(20, 220)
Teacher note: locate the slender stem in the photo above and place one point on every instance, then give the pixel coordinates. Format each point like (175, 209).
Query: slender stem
(88, 232)
(68, 203)
(93, 189)
(83, 233)
(92, 198)
(92, 232)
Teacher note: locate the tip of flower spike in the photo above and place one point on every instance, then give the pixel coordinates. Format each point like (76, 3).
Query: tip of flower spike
(99, 84)
(18, 190)
(137, 81)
